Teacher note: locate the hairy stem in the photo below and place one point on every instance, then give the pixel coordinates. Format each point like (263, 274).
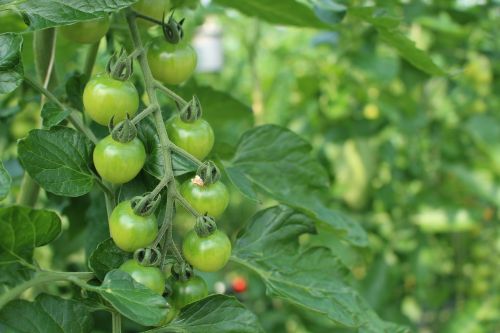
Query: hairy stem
(73, 118)
(151, 88)
(170, 93)
(42, 278)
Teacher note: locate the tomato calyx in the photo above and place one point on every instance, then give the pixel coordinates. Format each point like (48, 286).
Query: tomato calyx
(208, 172)
(147, 257)
(182, 271)
(120, 66)
(172, 30)
(205, 226)
(192, 111)
(124, 132)
(145, 205)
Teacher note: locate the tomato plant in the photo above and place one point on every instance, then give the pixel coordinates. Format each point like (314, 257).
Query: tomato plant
(171, 64)
(196, 137)
(119, 162)
(186, 292)
(209, 253)
(208, 173)
(151, 277)
(129, 230)
(105, 97)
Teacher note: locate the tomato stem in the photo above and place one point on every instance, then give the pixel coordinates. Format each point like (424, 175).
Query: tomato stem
(90, 59)
(151, 87)
(143, 114)
(185, 154)
(117, 322)
(42, 278)
(147, 18)
(170, 94)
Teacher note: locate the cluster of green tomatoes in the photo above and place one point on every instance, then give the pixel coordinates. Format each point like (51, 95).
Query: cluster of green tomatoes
(108, 99)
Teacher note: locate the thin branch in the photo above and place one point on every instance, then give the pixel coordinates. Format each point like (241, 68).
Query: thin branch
(186, 205)
(184, 153)
(170, 93)
(143, 114)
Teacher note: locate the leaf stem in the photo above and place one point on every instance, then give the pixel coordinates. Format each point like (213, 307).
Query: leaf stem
(117, 322)
(73, 118)
(170, 93)
(42, 278)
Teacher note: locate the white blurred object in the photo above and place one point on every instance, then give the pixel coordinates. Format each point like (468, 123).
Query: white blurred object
(219, 287)
(208, 46)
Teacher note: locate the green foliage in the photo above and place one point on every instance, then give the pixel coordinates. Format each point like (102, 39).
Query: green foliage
(59, 160)
(214, 314)
(11, 68)
(46, 314)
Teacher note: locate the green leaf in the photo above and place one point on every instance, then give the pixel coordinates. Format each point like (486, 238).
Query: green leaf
(47, 314)
(275, 158)
(11, 68)
(132, 299)
(283, 12)
(106, 257)
(214, 314)
(387, 27)
(329, 11)
(146, 132)
(278, 163)
(74, 89)
(5, 182)
(314, 278)
(52, 115)
(228, 116)
(58, 160)
(50, 13)
(23, 229)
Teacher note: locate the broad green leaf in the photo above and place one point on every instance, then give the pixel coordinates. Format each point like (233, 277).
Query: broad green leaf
(52, 115)
(47, 314)
(132, 299)
(277, 162)
(154, 161)
(228, 116)
(74, 89)
(387, 27)
(106, 257)
(11, 68)
(329, 11)
(23, 229)
(59, 160)
(283, 12)
(5, 182)
(214, 314)
(242, 183)
(314, 278)
(50, 13)
(276, 158)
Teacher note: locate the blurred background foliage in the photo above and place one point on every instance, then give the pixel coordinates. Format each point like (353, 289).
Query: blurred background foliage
(414, 158)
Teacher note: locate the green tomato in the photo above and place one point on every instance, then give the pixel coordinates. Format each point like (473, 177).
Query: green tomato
(105, 97)
(171, 64)
(118, 162)
(151, 277)
(86, 32)
(207, 254)
(171, 314)
(152, 8)
(186, 292)
(129, 230)
(197, 137)
(211, 199)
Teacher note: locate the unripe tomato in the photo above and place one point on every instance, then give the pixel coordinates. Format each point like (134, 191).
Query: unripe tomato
(105, 97)
(186, 292)
(118, 162)
(152, 8)
(86, 32)
(207, 254)
(171, 63)
(151, 277)
(197, 137)
(211, 199)
(129, 230)
(171, 314)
